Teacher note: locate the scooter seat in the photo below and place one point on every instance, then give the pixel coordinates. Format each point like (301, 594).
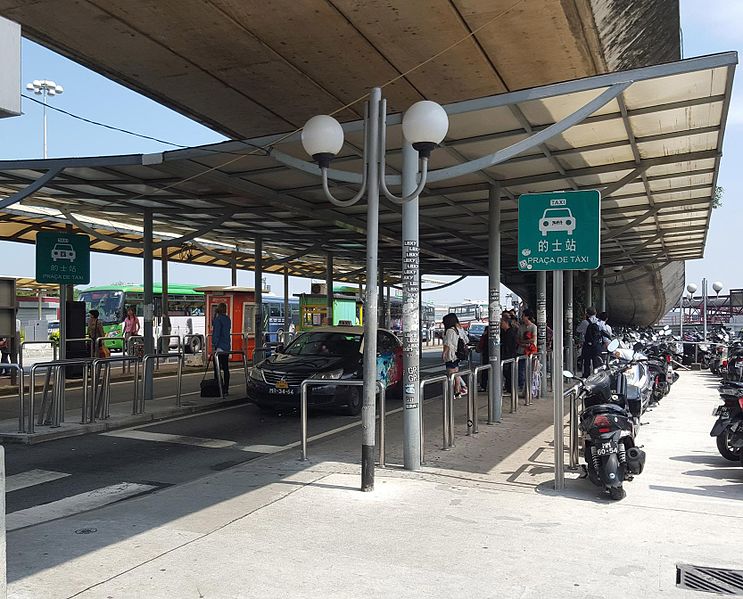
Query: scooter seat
(737, 384)
(604, 408)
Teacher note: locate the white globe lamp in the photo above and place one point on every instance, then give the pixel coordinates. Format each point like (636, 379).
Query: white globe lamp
(424, 125)
(717, 286)
(322, 138)
(691, 288)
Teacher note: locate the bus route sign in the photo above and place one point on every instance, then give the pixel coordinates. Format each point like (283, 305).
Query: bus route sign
(559, 230)
(62, 258)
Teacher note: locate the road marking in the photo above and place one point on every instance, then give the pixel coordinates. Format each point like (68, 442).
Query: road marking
(31, 478)
(262, 448)
(69, 506)
(167, 438)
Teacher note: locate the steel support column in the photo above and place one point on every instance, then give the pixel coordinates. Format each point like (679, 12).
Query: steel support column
(369, 409)
(542, 327)
(258, 292)
(148, 308)
(410, 312)
(287, 308)
(569, 340)
(329, 287)
(495, 386)
(557, 381)
(589, 288)
(704, 307)
(233, 269)
(602, 291)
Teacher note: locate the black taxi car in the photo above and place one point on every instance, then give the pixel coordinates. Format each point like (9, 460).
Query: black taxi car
(324, 353)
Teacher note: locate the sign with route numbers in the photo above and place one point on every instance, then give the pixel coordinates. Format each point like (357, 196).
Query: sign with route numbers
(62, 258)
(559, 230)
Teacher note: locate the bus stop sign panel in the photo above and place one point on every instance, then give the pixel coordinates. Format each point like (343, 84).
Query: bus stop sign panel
(559, 231)
(62, 258)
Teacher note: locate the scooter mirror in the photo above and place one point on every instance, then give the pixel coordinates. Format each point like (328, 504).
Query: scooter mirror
(567, 374)
(613, 345)
(667, 328)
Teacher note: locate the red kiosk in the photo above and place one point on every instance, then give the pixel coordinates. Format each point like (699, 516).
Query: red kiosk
(241, 309)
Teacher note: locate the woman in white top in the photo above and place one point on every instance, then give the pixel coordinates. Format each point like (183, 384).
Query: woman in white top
(453, 334)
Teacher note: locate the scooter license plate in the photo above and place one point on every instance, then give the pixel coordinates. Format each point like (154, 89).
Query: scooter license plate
(723, 412)
(607, 448)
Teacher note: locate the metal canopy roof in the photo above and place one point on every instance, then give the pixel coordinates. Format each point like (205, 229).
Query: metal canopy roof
(650, 139)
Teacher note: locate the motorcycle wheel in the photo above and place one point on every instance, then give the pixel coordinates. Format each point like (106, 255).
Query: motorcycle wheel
(723, 446)
(617, 493)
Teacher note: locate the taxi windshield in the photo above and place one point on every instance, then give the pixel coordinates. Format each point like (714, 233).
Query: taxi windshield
(324, 343)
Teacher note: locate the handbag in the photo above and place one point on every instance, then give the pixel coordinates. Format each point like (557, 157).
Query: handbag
(209, 387)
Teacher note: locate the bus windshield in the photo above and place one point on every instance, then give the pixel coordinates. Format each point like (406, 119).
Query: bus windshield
(108, 302)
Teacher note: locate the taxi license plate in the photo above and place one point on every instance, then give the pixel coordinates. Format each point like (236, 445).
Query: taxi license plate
(607, 448)
(280, 391)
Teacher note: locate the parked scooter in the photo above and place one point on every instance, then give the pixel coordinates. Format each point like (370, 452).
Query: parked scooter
(729, 426)
(609, 428)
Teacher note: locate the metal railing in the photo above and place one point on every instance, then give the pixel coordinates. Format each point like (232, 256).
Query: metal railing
(444, 380)
(161, 348)
(55, 349)
(574, 437)
(307, 383)
(514, 382)
(56, 407)
(101, 405)
(449, 405)
(87, 340)
(21, 393)
(213, 359)
(475, 408)
(145, 361)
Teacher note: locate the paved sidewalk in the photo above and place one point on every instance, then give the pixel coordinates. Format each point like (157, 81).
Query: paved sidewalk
(480, 520)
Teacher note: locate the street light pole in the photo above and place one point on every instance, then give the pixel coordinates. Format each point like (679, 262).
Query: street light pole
(44, 88)
(424, 126)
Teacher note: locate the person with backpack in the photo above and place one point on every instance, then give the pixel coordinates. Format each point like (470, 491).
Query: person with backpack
(455, 349)
(593, 341)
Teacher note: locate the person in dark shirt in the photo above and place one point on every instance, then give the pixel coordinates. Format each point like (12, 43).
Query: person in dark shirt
(221, 342)
(508, 346)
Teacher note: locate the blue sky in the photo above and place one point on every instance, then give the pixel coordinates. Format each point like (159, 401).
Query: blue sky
(708, 27)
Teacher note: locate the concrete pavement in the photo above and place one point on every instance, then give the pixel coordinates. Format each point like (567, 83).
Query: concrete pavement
(480, 519)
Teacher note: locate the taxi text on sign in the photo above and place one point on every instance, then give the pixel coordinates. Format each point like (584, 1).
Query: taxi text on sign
(62, 258)
(559, 231)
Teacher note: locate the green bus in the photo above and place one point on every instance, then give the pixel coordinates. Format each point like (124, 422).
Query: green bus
(186, 307)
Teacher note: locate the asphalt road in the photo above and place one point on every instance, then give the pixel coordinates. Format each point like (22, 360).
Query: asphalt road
(62, 477)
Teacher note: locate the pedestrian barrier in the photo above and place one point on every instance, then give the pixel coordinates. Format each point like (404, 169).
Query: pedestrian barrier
(21, 393)
(164, 348)
(101, 405)
(218, 370)
(26, 343)
(444, 380)
(52, 411)
(514, 382)
(307, 383)
(147, 360)
(475, 409)
(449, 403)
(87, 340)
(573, 447)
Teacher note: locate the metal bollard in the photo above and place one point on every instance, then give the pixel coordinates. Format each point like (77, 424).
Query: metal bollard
(443, 379)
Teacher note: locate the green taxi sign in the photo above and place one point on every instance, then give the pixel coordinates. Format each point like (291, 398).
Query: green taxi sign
(559, 231)
(62, 258)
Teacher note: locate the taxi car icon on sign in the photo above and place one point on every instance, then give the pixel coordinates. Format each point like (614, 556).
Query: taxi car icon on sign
(63, 251)
(557, 219)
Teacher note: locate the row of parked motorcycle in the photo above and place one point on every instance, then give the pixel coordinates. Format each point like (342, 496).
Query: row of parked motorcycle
(637, 374)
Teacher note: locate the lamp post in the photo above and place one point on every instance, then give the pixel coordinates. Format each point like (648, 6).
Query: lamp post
(692, 289)
(44, 88)
(717, 286)
(424, 126)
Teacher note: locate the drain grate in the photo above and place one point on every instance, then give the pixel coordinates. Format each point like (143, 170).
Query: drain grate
(711, 580)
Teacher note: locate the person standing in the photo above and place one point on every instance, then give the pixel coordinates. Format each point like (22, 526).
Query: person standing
(131, 325)
(5, 351)
(221, 343)
(483, 348)
(527, 337)
(508, 346)
(603, 318)
(95, 330)
(455, 349)
(593, 341)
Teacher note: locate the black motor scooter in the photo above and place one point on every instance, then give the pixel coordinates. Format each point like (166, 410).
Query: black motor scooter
(609, 429)
(729, 426)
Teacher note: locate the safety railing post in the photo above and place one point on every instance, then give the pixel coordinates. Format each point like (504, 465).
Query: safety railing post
(514, 386)
(491, 378)
(382, 424)
(527, 381)
(444, 380)
(179, 381)
(303, 409)
(574, 449)
(85, 408)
